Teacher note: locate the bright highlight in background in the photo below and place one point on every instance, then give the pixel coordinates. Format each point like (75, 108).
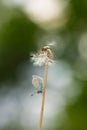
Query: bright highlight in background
(47, 14)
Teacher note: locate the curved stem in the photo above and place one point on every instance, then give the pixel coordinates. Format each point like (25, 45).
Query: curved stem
(43, 96)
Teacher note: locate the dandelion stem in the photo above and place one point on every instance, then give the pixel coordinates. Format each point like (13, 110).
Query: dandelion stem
(43, 96)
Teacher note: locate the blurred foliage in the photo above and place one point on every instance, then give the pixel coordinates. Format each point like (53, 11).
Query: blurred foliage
(77, 112)
(16, 42)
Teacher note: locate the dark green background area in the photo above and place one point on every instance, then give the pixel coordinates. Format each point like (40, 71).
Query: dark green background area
(18, 40)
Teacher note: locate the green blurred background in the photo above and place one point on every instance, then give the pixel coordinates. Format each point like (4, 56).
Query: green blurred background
(20, 35)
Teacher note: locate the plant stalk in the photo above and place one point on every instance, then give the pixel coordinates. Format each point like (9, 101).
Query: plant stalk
(43, 96)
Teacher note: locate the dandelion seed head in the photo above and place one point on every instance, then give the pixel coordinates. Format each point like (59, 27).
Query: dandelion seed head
(43, 56)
